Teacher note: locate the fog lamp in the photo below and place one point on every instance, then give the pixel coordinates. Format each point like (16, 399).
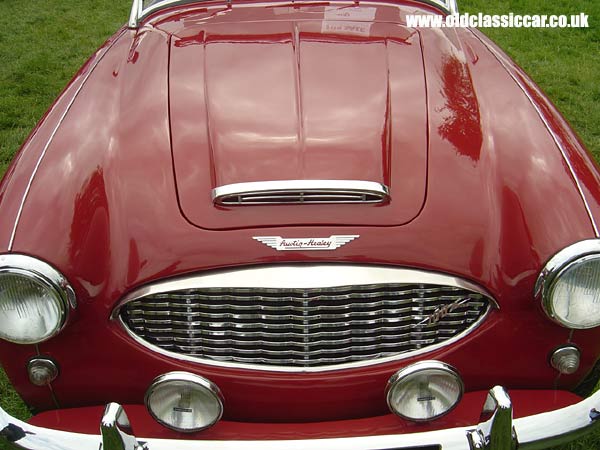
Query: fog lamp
(566, 359)
(424, 391)
(184, 402)
(569, 286)
(42, 371)
(34, 300)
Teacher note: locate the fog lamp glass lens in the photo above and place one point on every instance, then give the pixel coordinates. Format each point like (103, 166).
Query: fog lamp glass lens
(31, 310)
(184, 402)
(424, 391)
(575, 294)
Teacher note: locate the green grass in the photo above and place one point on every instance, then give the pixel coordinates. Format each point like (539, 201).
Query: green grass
(565, 63)
(43, 43)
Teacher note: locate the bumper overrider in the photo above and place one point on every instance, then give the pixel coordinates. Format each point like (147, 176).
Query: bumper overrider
(497, 431)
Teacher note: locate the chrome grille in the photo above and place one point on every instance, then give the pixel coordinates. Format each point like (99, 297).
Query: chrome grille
(304, 327)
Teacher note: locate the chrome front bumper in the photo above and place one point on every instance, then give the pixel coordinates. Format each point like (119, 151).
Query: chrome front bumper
(497, 431)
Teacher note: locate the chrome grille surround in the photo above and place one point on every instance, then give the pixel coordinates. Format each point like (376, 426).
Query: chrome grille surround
(300, 192)
(303, 318)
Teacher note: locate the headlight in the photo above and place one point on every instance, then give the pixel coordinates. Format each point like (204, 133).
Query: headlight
(34, 300)
(569, 286)
(424, 391)
(184, 402)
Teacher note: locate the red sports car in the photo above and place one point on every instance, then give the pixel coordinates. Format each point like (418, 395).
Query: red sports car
(300, 226)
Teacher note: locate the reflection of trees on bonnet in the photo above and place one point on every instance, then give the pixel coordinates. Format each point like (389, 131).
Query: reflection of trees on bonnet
(461, 125)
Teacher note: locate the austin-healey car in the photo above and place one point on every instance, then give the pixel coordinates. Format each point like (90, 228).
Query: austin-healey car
(300, 225)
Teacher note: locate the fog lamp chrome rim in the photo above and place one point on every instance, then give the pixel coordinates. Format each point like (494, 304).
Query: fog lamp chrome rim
(566, 359)
(404, 380)
(185, 382)
(42, 370)
(562, 263)
(46, 278)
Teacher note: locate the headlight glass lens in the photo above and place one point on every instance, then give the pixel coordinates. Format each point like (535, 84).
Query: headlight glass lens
(424, 391)
(31, 310)
(184, 402)
(574, 297)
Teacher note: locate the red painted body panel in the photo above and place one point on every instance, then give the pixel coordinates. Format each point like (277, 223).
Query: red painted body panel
(347, 111)
(16, 178)
(472, 194)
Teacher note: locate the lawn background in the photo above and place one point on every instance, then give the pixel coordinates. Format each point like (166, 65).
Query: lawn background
(44, 42)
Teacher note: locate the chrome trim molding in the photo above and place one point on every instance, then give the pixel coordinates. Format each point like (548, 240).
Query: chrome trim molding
(48, 276)
(135, 14)
(423, 366)
(538, 431)
(299, 192)
(452, 6)
(189, 378)
(138, 12)
(445, 6)
(556, 265)
(302, 276)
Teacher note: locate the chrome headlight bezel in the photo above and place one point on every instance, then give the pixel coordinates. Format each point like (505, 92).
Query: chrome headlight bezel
(193, 381)
(423, 368)
(44, 275)
(562, 262)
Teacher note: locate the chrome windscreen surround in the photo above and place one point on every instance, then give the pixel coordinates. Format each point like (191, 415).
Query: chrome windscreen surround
(303, 318)
(300, 192)
(142, 8)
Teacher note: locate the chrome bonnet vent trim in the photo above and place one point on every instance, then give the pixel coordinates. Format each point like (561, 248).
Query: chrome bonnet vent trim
(300, 191)
(303, 318)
